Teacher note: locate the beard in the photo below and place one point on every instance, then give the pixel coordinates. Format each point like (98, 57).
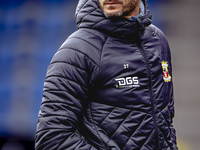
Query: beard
(114, 14)
(128, 6)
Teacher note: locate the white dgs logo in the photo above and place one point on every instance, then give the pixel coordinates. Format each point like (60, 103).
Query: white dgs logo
(127, 82)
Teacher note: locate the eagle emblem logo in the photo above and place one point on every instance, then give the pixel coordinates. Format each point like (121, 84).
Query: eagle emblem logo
(166, 75)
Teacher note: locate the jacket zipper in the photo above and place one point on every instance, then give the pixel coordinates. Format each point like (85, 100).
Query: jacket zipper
(141, 49)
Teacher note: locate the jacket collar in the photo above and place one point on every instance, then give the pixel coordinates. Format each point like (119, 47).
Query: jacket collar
(90, 15)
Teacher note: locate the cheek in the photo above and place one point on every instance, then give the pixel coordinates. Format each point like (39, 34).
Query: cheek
(129, 4)
(101, 3)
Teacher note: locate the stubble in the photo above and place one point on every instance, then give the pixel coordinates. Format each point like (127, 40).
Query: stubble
(128, 6)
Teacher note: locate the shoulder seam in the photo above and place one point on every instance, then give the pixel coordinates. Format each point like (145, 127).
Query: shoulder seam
(69, 48)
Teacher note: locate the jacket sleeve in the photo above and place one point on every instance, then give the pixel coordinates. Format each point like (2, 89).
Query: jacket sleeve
(173, 131)
(171, 106)
(65, 92)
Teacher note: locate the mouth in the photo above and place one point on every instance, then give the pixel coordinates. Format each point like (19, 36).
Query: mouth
(114, 2)
(110, 3)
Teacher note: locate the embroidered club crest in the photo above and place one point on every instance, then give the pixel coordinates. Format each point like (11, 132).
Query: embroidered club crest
(166, 75)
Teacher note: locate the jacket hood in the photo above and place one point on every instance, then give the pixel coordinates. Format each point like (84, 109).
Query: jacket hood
(90, 15)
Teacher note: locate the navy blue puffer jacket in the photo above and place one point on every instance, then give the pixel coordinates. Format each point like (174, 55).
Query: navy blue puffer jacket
(108, 87)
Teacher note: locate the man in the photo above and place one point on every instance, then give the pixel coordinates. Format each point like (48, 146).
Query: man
(104, 88)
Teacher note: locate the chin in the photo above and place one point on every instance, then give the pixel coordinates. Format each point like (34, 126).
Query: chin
(114, 13)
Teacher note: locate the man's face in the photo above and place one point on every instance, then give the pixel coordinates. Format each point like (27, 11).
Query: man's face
(118, 8)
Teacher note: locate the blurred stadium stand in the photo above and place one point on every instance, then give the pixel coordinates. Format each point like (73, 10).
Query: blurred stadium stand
(30, 33)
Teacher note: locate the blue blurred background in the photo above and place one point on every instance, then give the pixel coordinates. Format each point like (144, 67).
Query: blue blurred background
(31, 31)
